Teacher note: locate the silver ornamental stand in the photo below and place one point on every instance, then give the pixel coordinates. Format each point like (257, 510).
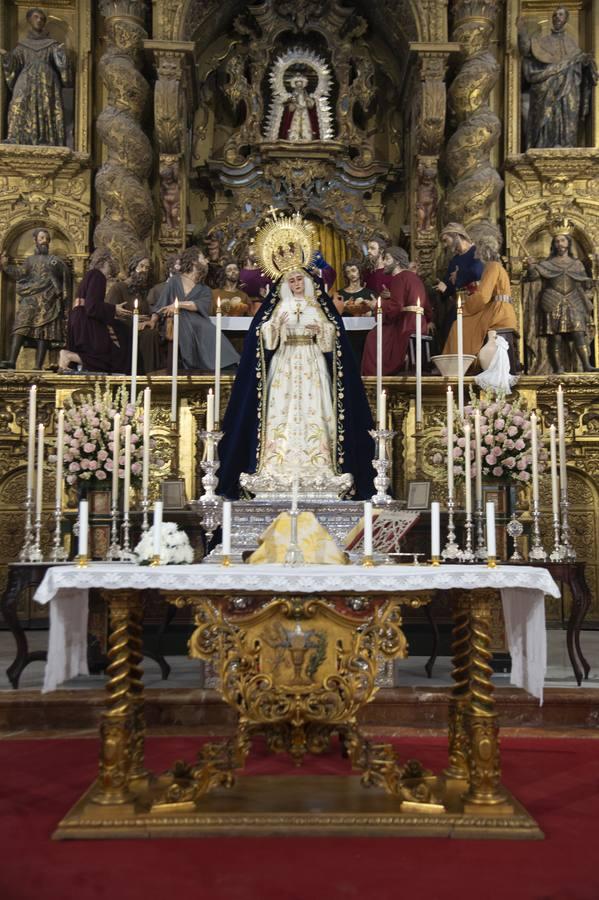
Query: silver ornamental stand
(210, 505)
(467, 554)
(514, 529)
(115, 550)
(382, 480)
(126, 554)
(558, 554)
(481, 549)
(451, 549)
(28, 542)
(538, 551)
(569, 551)
(58, 552)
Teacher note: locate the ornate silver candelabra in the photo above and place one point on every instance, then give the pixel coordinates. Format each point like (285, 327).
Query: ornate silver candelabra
(451, 549)
(538, 551)
(145, 506)
(210, 505)
(569, 551)
(28, 542)
(382, 480)
(35, 550)
(126, 554)
(115, 550)
(58, 552)
(467, 554)
(558, 554)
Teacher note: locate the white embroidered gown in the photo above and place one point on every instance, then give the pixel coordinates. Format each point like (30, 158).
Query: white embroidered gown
(299, 434)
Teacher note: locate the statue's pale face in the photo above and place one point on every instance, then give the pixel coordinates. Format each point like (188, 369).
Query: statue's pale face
(373, 249)
(296, 284)
(298, 82)
(143, 267)
(352, 273)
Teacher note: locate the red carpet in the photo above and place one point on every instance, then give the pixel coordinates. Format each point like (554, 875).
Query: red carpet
(557, 780)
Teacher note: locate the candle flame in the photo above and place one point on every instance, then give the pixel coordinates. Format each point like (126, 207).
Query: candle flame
(218, 306)
(177, 304)
(136, 305)
(378, 303)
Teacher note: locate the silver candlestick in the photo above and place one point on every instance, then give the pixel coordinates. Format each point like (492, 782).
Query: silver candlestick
(28, 541)
(451, 549)
(569, 551)
(381, 480)
(58, 552)
(538, 551)
(126, 554)
(114, 551)
(467, 554)
(481, 548)
(210, 505)
(145, 506)
(294, 555)
(35, 552)
(558, 554)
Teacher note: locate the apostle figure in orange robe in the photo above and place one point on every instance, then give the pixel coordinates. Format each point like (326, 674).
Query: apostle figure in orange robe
(399, 315)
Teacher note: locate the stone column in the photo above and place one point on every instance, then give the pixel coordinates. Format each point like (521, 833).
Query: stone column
(475, 183)
(122, 181)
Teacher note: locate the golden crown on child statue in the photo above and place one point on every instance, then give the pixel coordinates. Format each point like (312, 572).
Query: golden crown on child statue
(284, 244)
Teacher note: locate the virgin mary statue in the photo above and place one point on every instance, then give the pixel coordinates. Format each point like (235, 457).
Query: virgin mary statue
(298, 411)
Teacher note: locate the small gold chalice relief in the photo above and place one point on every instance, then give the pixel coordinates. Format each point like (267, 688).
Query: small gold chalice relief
(298, 648)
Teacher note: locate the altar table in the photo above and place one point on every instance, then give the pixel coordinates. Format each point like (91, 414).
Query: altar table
(273, 629)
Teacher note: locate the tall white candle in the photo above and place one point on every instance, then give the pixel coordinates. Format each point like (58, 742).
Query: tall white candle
(561, 439)
(127, 485)
(116, 452)
(554, 481)
(134, 345)
(59, 458)
(157, 528)
(478, 472)
(460, 329)
(217, 358)
(418, 362)
(39, 471)
(379, 360)
(146, 443)
(534, 449)
(383, 424)
(491, 545)
(367, 528)
(449, 443)
(435, 529)
(31, 438)
(226, 528)
(175, 366)
(83, 527)
(467, 482)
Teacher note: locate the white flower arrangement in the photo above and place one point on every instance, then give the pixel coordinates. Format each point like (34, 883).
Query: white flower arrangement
(175, 548)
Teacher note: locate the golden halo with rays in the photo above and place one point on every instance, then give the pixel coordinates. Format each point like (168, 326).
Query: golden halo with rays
(284, 244)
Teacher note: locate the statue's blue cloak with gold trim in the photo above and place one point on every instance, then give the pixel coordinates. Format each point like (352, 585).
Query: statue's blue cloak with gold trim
(239, 449)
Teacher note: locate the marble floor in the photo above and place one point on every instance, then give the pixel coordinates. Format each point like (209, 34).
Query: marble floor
(185, 673)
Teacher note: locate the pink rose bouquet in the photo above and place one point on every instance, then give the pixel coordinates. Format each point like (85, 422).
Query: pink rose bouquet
(505, 440)
(88, 437)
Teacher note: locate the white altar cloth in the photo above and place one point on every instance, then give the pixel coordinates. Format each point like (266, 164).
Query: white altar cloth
(242, 323)
(522, 592)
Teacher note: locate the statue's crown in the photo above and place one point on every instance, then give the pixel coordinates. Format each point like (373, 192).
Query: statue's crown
(284, 243)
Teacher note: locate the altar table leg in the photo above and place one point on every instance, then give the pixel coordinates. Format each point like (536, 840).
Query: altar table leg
(484, 760)
(458, 739)
(137, 768)
(121, 716)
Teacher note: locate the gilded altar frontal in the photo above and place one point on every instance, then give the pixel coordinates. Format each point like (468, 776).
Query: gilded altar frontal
(141, 128)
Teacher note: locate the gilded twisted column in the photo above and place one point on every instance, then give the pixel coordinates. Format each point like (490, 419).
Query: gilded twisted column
(480, 717)
(122, 181)
(137, 768)
(116, 724)
(458, 738)
(476, 184)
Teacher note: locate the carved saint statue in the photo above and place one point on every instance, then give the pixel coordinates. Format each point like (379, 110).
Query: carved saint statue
(559, 308)
(299, 121)
(560, 78)
(43, 289)
(35, 72)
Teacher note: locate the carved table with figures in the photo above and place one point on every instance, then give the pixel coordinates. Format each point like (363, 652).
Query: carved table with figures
(296, 651)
